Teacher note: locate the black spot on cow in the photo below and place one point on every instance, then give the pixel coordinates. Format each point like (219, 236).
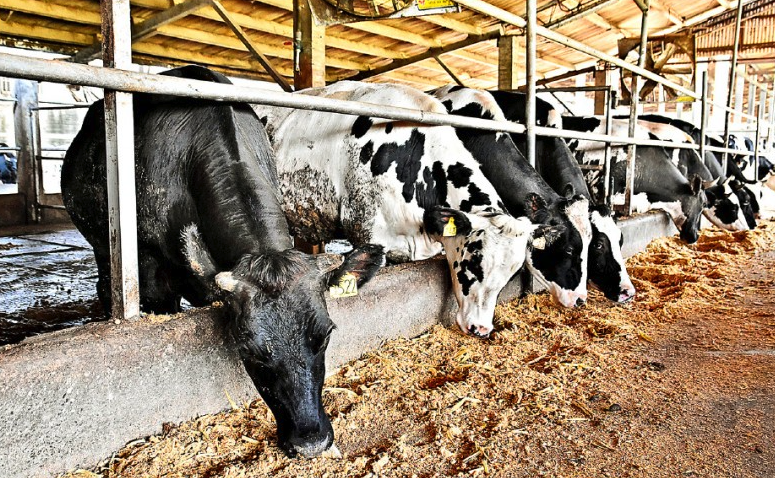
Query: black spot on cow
(405, 156)
(476, 198)
(653, 136)
(454, 265)
(367, 152)
(361, 126)
(459, 174)
(422, 230)
(473, 265)
(388, 128)
(476, 246)
(573, 145)
(433, 188)
(501, 206)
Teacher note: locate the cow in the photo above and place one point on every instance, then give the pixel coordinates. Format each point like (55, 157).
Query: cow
(660, 181)
(728, 194)
(408, 187)
(210, 226)
(562, 267)
(555, 163)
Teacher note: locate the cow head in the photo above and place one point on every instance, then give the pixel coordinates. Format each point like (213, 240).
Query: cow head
(723, 208)
(561, 265)
(692, 203)
(607, 270)
(484, 251)
(277, 316)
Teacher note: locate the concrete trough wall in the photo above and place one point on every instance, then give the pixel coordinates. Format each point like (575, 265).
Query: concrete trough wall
(71, 398)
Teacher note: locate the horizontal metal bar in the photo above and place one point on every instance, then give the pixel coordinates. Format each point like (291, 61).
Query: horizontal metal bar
(120, 80)
(7, 100)
(4, 149)
(50, 158)
(51, 206)
(572, 89)
(63, 107)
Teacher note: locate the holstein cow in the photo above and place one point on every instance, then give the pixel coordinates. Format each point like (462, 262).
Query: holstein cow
(728, 194)
(560, 266)
(210, 226)
(723, 208)
(557, 166)
(410, 188)
(656, 177)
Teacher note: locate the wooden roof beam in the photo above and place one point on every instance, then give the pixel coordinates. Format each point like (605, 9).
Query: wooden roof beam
(657, 5)
(145, 29)
(264, 61)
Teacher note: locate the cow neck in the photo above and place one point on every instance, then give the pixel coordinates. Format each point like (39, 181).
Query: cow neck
(508, 171)
(244, 206)
(558, 167)
(657, 176)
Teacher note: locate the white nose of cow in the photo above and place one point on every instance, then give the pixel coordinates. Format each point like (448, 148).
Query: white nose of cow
(569, 299)
(475, 327)
(627, 293)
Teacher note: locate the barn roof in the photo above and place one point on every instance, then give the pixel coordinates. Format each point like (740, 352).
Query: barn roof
(464, 42)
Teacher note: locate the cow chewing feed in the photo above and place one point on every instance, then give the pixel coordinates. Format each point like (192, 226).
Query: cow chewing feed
(555, 163)
(210, 226)
(656, 175)
(410, 188)
(561, 266)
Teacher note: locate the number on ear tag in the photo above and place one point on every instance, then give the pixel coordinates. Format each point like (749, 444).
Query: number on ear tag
(450, 230)
(347, 287)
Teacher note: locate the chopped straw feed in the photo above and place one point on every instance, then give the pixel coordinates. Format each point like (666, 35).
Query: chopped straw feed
(554, 392)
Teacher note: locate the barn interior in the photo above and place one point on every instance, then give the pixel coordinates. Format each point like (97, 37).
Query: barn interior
(278, 46)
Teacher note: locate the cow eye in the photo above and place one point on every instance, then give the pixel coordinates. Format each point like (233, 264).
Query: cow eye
(599, 245)
(569, 250)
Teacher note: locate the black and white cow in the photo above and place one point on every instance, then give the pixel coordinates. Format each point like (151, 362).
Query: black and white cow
(558, 167)
(561, 266)
(402, 186)
(210, 226)
(656, 177)
(728, 194)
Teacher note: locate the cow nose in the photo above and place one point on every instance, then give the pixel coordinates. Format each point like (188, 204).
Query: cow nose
(626, 295)
(580, 302)
(479, 331)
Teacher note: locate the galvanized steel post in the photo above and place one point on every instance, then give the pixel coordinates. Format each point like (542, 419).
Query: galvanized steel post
(530, 105)
(759, 120)
(634, 98)
(119, 144)
(611, 104)
(704, 114)
(26, 95)
(732, 73)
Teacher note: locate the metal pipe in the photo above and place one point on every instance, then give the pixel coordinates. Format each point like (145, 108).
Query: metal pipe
(572, 89)
(629, 188)
(530, 61)
(704, 115)
(63, 107)
(36, 164)
(762, 105)
(732, 73)
(611, 103)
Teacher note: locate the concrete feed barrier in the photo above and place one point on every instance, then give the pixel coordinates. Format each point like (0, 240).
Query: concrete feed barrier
(71, 398)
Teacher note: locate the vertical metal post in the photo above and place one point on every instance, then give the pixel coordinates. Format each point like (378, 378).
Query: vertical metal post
(771, 132)
(530, 113)
(607, 189)
(704, 113)
(732, 73)
(26, 95)
(751, 101)
(634, 98)
(759, 120)
(119, 144)
(38, 132)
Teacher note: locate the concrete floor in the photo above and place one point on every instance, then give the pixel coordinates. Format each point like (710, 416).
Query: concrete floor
(48, 283)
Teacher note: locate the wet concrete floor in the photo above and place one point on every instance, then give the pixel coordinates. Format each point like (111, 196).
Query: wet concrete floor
(48, 282)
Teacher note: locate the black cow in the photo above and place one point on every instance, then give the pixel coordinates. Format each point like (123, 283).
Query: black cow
(210, 227)
(656, 176)
(558, 167)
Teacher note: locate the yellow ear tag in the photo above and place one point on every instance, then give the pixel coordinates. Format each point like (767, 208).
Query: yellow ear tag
(347, 287)
(450, 230)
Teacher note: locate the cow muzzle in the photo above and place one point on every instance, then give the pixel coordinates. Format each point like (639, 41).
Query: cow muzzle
(473, 326)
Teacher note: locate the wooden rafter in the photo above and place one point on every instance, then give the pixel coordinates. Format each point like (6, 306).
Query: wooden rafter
(147, 28)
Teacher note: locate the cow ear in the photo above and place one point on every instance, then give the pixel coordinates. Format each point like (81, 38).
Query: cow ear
(545, 236)
(536, 208)
(568, 191)
(735, 184)
(437, 218)
(710, 196)
(709, 184)
(363, 263)
(695, 183)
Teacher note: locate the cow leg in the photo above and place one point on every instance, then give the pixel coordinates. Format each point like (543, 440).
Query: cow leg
(157, 291)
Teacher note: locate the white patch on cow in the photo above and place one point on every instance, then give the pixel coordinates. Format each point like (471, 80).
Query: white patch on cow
(578, 216)
(607, 227)
(554, 119)
(673, 209)
(640, 202)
